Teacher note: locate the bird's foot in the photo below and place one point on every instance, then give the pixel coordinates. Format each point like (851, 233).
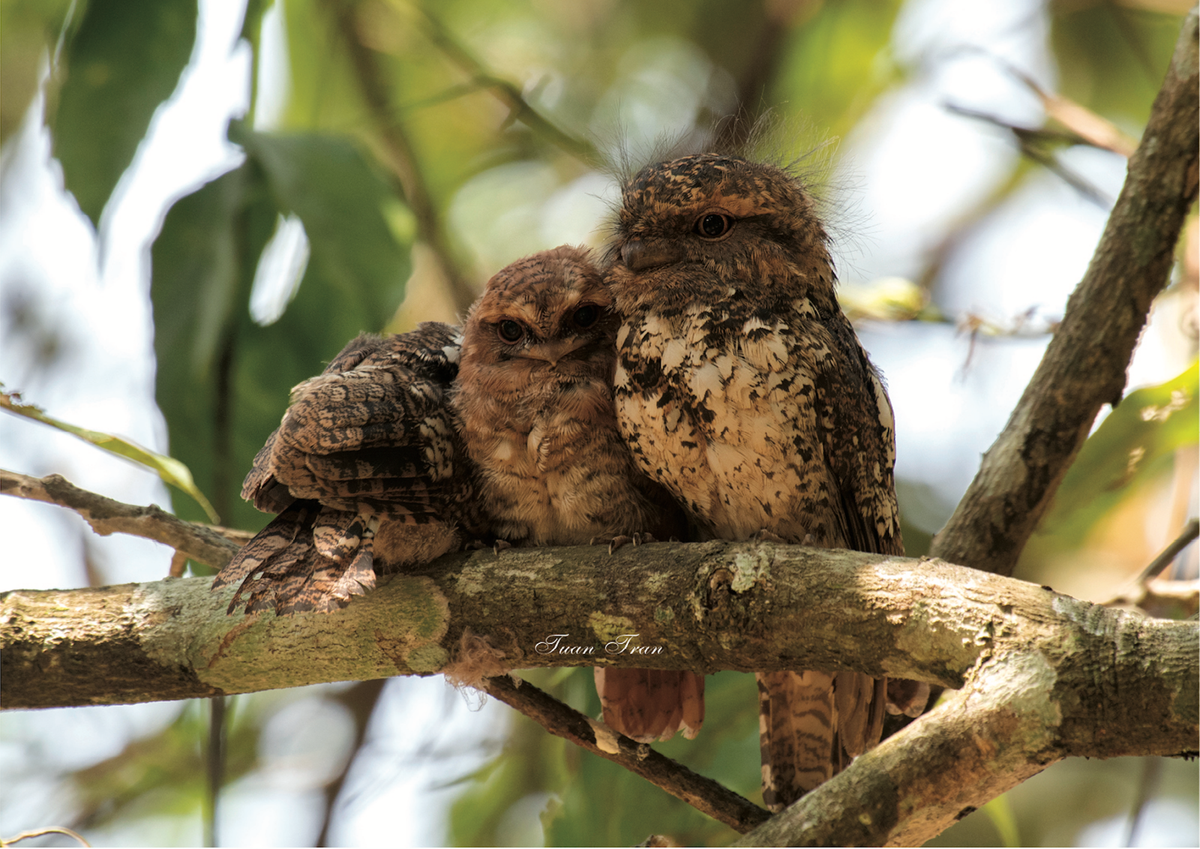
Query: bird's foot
(621, 540)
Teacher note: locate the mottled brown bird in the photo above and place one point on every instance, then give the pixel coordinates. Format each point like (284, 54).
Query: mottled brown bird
(535, 405)
(407, 446)
(742, 388)
(367, 473)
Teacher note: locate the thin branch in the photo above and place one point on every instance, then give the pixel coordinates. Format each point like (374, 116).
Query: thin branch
(1147, 788)
(1034, 143)
(206, 544)
(360, 702)
(214, 768)
(1167, 556)
(1089, 127)
(42, 832)
(401, 153)
(705, 795)
(1085, 363)
(504, 91)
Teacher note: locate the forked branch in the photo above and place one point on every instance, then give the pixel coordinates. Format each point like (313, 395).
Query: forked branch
(1084, 365)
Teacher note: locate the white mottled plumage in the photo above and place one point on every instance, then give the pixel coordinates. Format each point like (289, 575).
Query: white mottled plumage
(742, 388)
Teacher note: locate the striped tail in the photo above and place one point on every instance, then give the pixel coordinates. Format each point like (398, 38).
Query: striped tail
(811, 724)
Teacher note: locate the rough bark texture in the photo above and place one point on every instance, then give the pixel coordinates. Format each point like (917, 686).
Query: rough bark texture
(1123, 683)
(1019, 712)
(1084, 366)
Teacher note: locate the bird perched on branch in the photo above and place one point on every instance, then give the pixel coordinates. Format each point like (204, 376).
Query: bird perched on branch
(742, 388)
(535, 406)
(367, 473)
(408, 446)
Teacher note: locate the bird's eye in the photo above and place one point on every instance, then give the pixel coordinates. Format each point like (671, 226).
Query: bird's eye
(713, 225)
(510, 331)
(586, 315)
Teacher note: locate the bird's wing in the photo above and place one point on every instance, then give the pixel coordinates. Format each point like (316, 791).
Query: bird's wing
(369, 446)
(374, 429)
(860, 443)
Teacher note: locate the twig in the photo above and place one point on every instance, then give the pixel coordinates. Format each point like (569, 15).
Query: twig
(41, 832)
(705, 795)
(202, 543)
(504, 91)
(1084, 123)
(214, 768)
(1032, 141)
(1151, 778)
(1168, 554)
(359, 701)
(1085, 364)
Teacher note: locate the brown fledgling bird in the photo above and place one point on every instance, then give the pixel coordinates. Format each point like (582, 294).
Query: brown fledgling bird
(742, 388)
(367, 473)
(534, 402)
(409, 446)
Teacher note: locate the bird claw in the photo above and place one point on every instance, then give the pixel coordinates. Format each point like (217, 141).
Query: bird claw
(501, 545)
(621, 540)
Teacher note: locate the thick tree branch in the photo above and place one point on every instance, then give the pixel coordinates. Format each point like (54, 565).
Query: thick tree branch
(202, 543)
(1044, 676)
(1085, 363)
(1126, 684)
(707, 796)
(1017, 714)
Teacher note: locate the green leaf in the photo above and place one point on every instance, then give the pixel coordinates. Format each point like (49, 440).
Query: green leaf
(343, 203)
(29, 30)
(169, 469)
(1145, 429)
(837, 64)
(203, 265)
(223, 380)
(123, 61)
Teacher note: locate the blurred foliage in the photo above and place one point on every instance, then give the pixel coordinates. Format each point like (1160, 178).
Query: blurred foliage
(29, 30)
(421, 146)
(162, 772)
(223, 378)
(1131, 447)
(169, 469)
(120, 64)
(1112, 56)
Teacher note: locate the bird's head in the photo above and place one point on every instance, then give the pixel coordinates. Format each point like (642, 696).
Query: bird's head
(547, 313)
(690, 226)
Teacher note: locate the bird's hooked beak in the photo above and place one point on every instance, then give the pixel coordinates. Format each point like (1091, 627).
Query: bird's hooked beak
(639, 254)
(554, 351)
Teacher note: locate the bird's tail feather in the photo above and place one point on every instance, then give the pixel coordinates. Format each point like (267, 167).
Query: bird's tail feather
(811, 724)
(651, 704)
